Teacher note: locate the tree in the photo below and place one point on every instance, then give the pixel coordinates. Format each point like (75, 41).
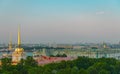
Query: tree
(30, 62)
(6, 63)
(54, 71)
(82, 71)
(74, 70)
(64, 55)
(117, 67)
(92, 70)
(103, 71)
(64, 71)
(47, 71)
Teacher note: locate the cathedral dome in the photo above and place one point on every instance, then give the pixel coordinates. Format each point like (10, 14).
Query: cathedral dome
(19, 50)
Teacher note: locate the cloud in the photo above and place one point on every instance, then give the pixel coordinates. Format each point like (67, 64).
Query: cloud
(100, 13)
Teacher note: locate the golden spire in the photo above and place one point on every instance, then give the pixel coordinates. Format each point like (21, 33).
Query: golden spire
(19, 37)
(10, 43)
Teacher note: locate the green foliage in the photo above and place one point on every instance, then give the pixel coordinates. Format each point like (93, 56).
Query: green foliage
(83, 71)
(64, 55)
(82, 65)
(117, 67)
(6, 63)
(59, 55)
(30, 61)
(74, 70)
(64, 71)
(92, 70)
(103, 71)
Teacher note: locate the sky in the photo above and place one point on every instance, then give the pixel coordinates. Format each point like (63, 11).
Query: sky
(60, 21)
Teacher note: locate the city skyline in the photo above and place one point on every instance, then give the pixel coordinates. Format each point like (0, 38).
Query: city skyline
(61, 21)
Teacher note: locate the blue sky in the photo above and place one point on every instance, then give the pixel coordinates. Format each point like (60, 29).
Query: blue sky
(60, 21)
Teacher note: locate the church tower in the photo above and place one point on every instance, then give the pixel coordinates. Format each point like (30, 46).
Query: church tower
(10, 44)
(18, 54)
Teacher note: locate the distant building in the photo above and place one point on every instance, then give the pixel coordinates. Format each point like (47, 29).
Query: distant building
(65, 46)
(78, 47)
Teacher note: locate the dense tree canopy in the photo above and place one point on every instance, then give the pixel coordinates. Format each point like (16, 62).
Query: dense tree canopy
(82, 65)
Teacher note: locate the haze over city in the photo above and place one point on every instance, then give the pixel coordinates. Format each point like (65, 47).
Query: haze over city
(60, 21)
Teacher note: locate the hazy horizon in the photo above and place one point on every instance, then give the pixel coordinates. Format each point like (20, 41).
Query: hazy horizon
(60, 21)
